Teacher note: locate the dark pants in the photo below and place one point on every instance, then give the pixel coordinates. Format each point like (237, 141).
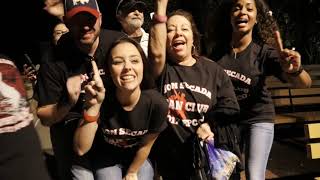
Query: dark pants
(62, 144)
(21, 156)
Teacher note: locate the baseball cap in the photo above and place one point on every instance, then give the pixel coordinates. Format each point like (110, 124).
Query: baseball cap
(127, 6)
(73, 7)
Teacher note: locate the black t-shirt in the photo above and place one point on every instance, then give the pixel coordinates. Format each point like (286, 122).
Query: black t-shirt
(248, 72)
(51, 88)
(196, 94)
(121, 132)
(69, 61)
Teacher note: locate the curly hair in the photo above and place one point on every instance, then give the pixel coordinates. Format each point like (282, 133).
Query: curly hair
(220, 32)
(195, 31)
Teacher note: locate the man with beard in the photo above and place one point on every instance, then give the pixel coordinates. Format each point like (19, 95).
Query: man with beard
(130, 15)
(59, 89)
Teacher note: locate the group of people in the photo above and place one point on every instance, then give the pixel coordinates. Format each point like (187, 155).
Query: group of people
(128, 105)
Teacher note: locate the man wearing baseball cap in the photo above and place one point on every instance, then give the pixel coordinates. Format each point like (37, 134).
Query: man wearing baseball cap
(59, 89)
(130, 14)
(77, 6)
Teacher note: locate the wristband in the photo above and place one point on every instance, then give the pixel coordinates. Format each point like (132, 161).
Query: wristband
(89, 119)
(297, 73)
(159, 18)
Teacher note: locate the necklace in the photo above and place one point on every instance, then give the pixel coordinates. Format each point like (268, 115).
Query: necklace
(234, 53)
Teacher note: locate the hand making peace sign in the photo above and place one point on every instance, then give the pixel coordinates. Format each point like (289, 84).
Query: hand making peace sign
(290, 60)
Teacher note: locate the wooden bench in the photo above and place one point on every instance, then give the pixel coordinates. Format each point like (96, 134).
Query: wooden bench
(312, 132)
(298, 110)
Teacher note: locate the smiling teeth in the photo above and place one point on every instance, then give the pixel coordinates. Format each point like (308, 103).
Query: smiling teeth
(129, 77)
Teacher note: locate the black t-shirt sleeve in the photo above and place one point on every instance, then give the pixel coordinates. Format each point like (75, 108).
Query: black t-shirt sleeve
(110, 36)
(49, 87)
(271, 60)
(158, 121)
(227, 105)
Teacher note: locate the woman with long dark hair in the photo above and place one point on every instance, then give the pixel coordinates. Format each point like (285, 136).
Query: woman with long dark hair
(198, 91)
(248, 46)
(125, 114)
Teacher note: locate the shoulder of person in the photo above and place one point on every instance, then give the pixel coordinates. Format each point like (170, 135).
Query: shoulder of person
(205, 59)
(208, 62)
(212, 66)
(265, 52)
(63, 48)
(56, 67)
(65, 40)
(153, 95)
(107, 37)
(156, 102)
(112, 33)
(263, 49)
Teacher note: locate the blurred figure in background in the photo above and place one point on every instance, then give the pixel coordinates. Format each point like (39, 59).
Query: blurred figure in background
(20, 152)
(59, 30)
(30, 72)
(130, 14)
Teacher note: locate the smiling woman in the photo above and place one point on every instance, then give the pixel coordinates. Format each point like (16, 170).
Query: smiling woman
(131, 113)
(249, 47)
(199, 92)
(126, 69)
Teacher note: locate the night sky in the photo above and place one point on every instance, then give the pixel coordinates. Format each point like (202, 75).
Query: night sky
(27, 28)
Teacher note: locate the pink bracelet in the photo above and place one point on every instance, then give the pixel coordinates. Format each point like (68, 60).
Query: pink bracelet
(159, 18)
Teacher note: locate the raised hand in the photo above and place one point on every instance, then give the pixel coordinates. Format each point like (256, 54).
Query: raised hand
(95, 91)
(55, 8)
(29, 73)
(290, 60)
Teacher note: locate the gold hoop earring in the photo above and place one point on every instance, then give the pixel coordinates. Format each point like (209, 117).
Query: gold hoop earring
(193, 49)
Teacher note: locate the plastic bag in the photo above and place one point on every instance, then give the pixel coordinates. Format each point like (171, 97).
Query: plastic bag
(221, 162)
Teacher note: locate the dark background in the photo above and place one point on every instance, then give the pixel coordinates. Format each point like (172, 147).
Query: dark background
(26, 28)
